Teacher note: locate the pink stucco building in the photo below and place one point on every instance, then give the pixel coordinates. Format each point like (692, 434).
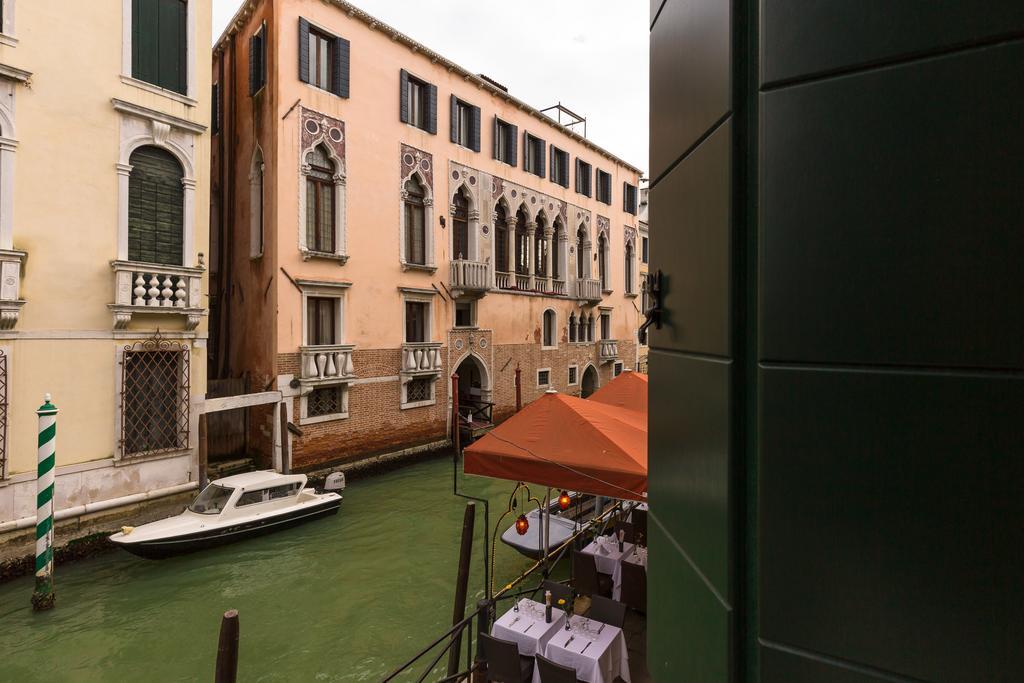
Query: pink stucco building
(383, 217)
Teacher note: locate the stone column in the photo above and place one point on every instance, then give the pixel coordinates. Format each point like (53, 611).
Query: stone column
(531, 265)
(550, 244)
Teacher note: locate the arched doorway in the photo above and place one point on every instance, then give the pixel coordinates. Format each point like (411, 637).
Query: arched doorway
(590, 381)
(475, 407)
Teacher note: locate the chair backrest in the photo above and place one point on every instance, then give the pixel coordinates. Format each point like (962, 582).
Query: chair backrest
(634, 586)
(584, 572)
(558, 590)
(607, 611)
(628, 530)
(640, 525)
(550, 672)
(502, 659)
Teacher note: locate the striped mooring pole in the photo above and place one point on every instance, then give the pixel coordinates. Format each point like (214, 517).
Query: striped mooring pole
(43, 597)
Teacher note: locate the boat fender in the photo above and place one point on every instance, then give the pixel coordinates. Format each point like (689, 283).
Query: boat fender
(335, 481)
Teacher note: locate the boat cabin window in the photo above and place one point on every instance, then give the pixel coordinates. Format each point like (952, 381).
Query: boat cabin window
(212, 500)
(268, 494)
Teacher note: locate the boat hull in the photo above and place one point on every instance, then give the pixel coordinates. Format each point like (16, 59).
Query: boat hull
(189, 543)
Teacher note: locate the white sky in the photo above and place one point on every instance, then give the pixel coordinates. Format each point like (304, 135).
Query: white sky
(591, 55)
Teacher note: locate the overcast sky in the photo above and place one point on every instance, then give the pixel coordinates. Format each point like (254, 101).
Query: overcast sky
(590, 55)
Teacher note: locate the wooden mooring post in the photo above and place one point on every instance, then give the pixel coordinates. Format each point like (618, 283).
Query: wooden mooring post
(462, 585)
(227, 649)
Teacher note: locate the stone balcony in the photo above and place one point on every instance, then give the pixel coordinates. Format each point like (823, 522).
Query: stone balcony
(326, 364)
(421, 358)
(150, 288)
(608, 350)
(469, 277)
(11, 263)
(588, 290)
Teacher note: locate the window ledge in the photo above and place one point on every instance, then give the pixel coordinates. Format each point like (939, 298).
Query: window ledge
(418, 404)
(607, 291)
(425, 267)
(157, 90)
(125, 460)
(323, 418)
(631, 295)
(308, 254)
(8, 39)
(549, 348)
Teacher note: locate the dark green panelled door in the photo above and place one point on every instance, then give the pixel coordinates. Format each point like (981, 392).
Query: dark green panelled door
(159, 43)
(155, 207)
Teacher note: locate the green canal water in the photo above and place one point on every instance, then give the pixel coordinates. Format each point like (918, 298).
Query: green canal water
(343, 599)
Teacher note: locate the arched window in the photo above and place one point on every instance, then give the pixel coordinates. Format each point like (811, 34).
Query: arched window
(501, 240)
(581, 259)
(629, 268)
(540, 249)
(415, 222)
(460, 226)
(556, 249)
(572, 327)
(320, 201)
(549, 328)
(256, 234)
(602, 261)
(156, 207)
(522, 244)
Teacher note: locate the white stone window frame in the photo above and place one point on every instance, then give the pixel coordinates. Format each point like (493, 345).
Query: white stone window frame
(410, 294)
(340, 203)
(257, 205)
(428, 224)
(8, 36)
(324, 290)
(473, 314)
(304, 417)
(629, 288)
(617, 368)
(406, 405)
(190, 96)
(549, 383)
(569, 377)
(142, 127)
(12, 261)
(544, 329)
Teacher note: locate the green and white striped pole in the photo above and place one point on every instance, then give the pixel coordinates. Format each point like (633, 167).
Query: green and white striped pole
(43, 597)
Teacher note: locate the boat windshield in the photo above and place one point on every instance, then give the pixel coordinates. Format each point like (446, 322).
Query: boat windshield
(212, 500)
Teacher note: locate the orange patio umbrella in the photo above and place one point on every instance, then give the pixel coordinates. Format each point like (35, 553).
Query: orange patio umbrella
(628, 390)
(567, 443)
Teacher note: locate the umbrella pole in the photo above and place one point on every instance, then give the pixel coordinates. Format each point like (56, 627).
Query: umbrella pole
(547, 532)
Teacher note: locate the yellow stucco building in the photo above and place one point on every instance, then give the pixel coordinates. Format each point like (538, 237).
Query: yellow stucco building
(104, 224)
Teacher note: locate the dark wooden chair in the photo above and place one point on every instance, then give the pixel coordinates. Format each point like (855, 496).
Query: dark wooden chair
(639, 520)
(558, 590)
(634, 587)
(607, 611)
(555, 673)
(629, 531)
(504, 663)
(588, 580)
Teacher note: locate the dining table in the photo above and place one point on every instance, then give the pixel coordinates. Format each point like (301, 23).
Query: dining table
(596, 651)
(639, 557)
(607, 556)
(526, 626)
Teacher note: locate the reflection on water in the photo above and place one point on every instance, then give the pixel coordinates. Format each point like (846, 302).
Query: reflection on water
(342, 599)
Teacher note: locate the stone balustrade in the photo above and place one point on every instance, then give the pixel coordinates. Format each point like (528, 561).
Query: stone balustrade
(523, 282)
(470, 276)
(558, 287)
(327, 362)
(421, 357)
(608, 349)
(503, 280)
(588, 289)
(153, 288)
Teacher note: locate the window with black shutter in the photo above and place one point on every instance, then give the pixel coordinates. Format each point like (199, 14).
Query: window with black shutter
(323, 59)
(559, 166)
(533, 154)
(604, 187)
(258, 60)
(645, 249)
(584, 174)
(155, 207)
(418, 103)
(505, 136)
(159, 43)
(465, 124)
(629, 198)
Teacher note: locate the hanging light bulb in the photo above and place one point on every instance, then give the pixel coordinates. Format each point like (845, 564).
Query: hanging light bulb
(522, 525)
(564, 501)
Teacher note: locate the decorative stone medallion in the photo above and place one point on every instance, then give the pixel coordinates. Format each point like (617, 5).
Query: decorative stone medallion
(416, 159)
(320, 128)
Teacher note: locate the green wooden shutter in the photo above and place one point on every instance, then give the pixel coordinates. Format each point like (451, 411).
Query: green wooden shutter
(432, 109)
(474, 128)
(403, 96)
(454, 127)
(155, 207)
(497, 134)
(340, 86)
(513, 147)
(159, 43)
(303, 50)
(540, 156)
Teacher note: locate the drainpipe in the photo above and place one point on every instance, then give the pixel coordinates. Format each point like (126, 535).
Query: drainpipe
(519, 389)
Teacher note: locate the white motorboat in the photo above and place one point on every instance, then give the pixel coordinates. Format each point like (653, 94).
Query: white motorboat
(230, 509)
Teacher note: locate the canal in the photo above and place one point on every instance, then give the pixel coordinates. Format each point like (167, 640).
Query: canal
(342, 599)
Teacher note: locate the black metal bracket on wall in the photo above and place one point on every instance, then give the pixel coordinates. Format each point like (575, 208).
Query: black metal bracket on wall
(652, 313)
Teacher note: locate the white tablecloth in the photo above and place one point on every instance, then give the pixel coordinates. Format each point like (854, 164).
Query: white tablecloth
(527, 627)
(599, 662)
(640, 559)
(605, 550)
